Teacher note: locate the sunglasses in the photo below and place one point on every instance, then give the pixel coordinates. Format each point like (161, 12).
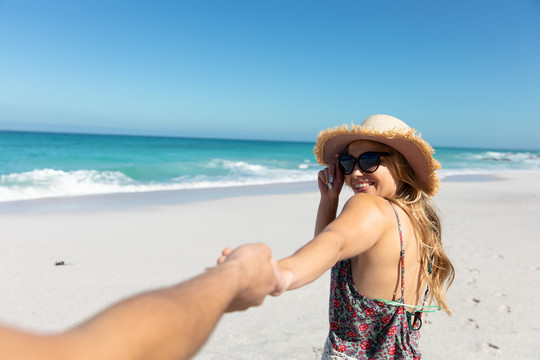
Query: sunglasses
(368, 162)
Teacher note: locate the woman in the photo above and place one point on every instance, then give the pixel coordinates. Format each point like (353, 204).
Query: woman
(384, 248)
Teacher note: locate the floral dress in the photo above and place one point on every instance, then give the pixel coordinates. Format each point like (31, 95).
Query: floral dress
(364, 328)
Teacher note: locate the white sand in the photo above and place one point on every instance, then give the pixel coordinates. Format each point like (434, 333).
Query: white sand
(489, 228)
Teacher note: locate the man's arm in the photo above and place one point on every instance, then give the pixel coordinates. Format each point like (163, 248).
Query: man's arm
(171, 323)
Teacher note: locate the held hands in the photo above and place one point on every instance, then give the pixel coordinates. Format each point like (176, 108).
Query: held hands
(330, 181)
(283, 277)
(258, 274)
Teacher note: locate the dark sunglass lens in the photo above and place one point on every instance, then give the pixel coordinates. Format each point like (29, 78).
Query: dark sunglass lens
(346, 163)
(369, 162)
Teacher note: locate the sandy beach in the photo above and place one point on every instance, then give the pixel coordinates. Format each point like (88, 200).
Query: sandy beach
(119, 245)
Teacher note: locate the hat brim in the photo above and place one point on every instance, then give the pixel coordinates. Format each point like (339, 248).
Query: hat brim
(411, 145)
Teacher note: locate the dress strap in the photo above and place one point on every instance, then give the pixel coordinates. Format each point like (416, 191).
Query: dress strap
(402, 256)
(414, 318)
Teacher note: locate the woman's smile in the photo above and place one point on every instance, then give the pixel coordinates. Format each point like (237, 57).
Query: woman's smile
(361, 185)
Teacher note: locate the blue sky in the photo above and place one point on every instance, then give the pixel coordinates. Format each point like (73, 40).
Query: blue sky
(462, 72)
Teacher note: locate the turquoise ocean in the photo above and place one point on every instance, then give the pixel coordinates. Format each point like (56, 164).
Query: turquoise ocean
(41, 165)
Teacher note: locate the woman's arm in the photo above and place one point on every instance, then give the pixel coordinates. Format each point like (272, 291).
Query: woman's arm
(329, 202)
(359, 226)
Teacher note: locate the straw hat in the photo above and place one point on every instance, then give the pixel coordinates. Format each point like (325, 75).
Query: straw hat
(387, 130)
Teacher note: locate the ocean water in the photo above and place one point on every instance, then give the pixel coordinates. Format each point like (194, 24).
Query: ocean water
(40, 165)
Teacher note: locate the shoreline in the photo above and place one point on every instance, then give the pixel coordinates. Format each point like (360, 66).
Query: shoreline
(122, 201)
(125, 200)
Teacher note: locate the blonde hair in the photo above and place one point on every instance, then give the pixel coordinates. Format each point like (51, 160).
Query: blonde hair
(418, 205)
(436, 265)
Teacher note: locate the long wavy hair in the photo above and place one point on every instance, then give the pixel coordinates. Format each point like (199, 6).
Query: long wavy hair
(436, 265)
(437, 268)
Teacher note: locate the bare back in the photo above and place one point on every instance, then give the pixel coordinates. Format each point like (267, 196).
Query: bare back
(377, 271)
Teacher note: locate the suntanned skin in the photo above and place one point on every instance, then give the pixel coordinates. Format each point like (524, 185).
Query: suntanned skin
(365, 232)
(170, 323)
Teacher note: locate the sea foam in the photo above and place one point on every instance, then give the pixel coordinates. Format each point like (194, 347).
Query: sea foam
(46, 183)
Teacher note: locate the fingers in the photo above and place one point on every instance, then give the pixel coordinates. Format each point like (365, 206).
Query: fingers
(324, 177)
(226, 252)
(330, 180)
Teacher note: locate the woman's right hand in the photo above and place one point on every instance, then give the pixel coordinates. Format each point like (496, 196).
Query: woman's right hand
(330, 182)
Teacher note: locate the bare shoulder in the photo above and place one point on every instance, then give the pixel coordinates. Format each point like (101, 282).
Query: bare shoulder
(364, 221)
(376, 207)
(370, 212)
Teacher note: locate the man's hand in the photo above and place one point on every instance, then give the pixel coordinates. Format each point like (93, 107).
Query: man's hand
(257, 270)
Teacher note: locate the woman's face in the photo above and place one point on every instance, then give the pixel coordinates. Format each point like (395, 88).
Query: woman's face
(381, 182)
